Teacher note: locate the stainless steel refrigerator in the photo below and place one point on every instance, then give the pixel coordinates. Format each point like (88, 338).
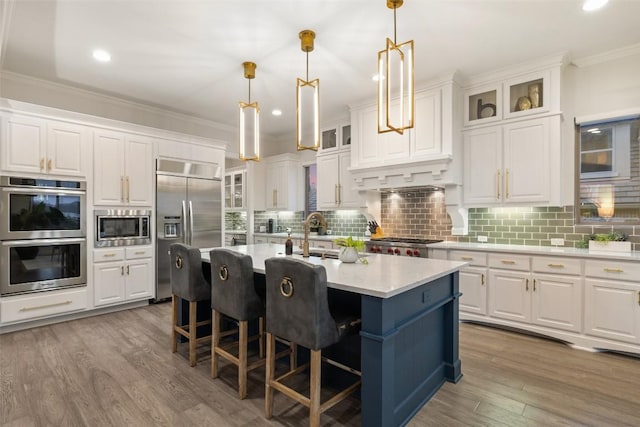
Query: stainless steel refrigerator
(188, 210)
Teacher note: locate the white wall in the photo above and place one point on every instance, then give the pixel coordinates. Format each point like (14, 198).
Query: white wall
(596, 86)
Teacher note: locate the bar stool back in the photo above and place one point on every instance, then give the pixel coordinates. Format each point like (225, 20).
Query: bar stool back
(188, 282)
(298, 310)
(234, 294)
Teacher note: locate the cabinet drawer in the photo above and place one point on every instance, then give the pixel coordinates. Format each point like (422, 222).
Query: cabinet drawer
(324, 244)
(556, 265)
(472, 257)
(42, 304)
(139, 252)
(112, 254)
(509, 262)
(614, 269)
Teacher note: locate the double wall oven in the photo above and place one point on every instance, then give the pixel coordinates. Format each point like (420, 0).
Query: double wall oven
(42, 234)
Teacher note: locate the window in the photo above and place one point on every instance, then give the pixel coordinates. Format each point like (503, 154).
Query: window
(608, 172)
(310, 192)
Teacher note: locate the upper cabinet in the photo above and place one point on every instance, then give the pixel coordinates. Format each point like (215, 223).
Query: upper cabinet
(336, 137)
(420, 155)
(512, 140)
(123, 169)
(282, 181)
(43, 146)
(234, 189)
(524, 95)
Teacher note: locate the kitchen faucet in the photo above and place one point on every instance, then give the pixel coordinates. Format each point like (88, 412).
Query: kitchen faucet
(305, 244)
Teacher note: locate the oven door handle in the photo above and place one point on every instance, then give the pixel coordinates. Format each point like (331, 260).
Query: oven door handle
(190, 222)
(44, 190)
(43, 242)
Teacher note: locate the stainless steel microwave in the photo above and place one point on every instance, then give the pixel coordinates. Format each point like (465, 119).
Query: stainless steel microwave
(122, 227)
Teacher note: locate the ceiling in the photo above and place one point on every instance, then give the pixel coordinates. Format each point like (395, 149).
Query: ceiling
(186, 55)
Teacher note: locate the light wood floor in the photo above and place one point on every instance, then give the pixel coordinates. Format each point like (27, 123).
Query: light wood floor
(118, 370)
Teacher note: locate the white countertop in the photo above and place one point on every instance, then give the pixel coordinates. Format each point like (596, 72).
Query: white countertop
(328, 237)
(384, 276)
(537, 250)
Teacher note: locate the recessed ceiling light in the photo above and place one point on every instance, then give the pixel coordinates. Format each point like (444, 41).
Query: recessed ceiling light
(101, 55)
(591, 5)
(276, 112)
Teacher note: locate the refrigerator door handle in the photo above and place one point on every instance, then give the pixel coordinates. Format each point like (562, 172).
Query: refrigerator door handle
(190, 221)
(184, 224)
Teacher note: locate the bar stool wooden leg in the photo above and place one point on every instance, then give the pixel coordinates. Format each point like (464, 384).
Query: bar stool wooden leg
(269, 375)
(261, 336)
(174, 323)
(192, 332)
(314, 385)
(243, 329)
(215, 342)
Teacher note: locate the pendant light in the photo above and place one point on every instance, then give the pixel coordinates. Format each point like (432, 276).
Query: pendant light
(395, 82)
(307, 102)
(249, 120)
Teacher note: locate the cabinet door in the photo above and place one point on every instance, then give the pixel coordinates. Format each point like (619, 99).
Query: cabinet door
(427, 138)
(25, 149)
(238, 190)
(348, 196)
(509, 295)
(473, 286)
(557, 302)
(139, 171)
(526, 161)
(483, 166)
(228, 191)
(108, 283)
(139, 279)
(328, 180)
(66, 146)
(275, 174)
(367, 137)
(108, 168)
(612, 309)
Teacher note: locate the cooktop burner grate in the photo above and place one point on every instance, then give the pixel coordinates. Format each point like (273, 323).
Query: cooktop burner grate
(404, 240)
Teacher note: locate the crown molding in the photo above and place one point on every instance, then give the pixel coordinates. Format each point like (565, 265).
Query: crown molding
(114, 101)
(611, 55)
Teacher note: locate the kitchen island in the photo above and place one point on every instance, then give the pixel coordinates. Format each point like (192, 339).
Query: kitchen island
(409, 334)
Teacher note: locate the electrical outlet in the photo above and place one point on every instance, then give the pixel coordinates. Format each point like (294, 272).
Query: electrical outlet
(482, 239)
(557, 242)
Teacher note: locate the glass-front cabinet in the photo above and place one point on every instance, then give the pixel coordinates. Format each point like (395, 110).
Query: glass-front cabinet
(234, 190)
(335, 137)
(483, 104)
(526, 95)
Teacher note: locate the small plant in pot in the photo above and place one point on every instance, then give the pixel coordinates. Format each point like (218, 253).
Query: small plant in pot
(349, 248)
(614, 241)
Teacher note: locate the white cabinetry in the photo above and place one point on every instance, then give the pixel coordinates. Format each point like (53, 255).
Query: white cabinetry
(511, 143)
(283, 178)
(234, 189)
(512, 163)
(43, 146)
(612, 300)
(123, 169)
(473, 281)
(122, 274)
(42, 304)
(552, 300)
(335, 183)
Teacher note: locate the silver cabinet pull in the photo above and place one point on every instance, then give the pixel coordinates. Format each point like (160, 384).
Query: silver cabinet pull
(128, 270)
(526, 286)
(482, 280)
(122, 270)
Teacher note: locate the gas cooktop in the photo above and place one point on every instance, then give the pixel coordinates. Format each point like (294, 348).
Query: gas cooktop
(404, 240)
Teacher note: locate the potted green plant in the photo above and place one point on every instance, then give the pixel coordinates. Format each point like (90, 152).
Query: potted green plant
(349, 248)
(607, 242)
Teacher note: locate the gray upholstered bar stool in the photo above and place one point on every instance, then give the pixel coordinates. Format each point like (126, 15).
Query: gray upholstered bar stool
(298, 311)
(189, 283)
(233, 294)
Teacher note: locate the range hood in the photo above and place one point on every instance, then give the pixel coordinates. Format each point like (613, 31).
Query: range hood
(434, 173)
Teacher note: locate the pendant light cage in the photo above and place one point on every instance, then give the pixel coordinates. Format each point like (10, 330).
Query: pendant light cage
(249, 128)
(396, 103)
(307, 102)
